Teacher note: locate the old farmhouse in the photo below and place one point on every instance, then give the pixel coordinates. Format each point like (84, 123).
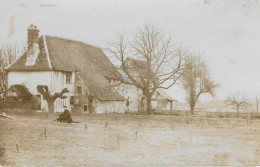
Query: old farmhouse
(88, 74)
(61, 63)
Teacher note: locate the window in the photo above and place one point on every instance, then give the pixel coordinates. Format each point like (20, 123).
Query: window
(79, 90)
(68, 77)
(85, 107)
(71, 100)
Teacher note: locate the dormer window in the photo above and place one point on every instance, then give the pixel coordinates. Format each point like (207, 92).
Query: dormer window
(68, 77)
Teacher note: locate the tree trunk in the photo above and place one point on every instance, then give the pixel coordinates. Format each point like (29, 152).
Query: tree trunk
(149, 105)
(171, 107)
(237, 112)
(192, 101)
(51, 106)
(192, 106)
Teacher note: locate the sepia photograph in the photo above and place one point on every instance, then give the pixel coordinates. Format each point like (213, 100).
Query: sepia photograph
(129, 83)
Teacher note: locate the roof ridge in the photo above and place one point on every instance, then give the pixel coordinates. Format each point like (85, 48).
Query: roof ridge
(73, 40)
(47, 51)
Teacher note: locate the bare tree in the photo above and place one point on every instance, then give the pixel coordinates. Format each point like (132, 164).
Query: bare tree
(196, 81)
(237, 100)
(44, 90)
(257, 100)
(9, 52)
(148, 61)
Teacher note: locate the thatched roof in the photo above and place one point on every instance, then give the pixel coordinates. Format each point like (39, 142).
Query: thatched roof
(68, 55)
(41, 63)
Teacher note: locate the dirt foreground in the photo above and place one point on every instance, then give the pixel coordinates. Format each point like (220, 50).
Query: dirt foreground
(128, 140)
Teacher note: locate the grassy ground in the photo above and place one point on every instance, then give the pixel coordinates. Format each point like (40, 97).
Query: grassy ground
(128, 140)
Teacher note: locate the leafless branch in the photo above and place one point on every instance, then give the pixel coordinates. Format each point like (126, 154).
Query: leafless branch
(196, 80)
(148, 60)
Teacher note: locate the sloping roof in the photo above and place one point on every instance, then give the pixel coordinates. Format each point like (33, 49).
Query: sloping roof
(41, 63)
(165, 95)
(136, 66)
(20, 90)
(68, 55)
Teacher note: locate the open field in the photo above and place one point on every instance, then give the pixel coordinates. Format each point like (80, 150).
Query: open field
(128, 140)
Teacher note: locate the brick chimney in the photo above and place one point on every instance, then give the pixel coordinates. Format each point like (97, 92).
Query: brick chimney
(33, 45)
(33, 34)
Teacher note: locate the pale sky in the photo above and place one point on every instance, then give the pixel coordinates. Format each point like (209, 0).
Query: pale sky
(225, 32)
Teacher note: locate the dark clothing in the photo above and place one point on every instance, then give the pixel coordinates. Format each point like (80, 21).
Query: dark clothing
(65, 117)
(127, 102)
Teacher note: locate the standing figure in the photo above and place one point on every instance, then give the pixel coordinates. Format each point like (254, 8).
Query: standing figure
(127, 105)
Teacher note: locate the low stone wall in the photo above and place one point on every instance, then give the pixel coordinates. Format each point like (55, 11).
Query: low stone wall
(20, 105)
